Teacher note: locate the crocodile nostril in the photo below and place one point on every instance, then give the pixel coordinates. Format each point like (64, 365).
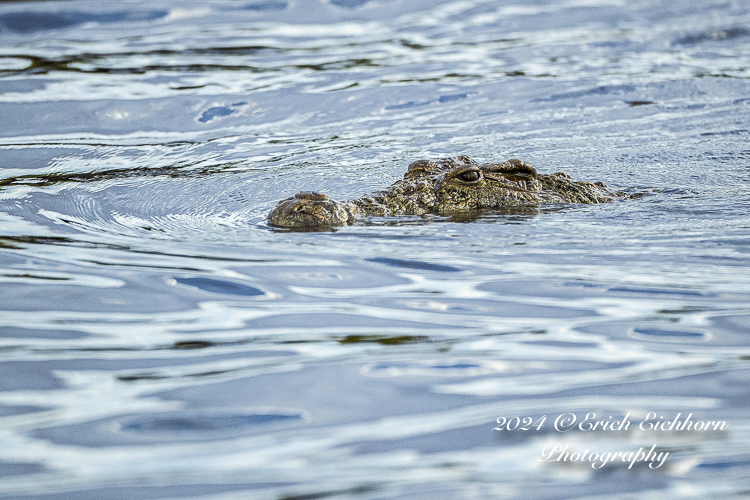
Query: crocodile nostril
(312, 196)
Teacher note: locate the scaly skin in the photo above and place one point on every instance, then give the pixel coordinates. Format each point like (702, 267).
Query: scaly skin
(447, 186)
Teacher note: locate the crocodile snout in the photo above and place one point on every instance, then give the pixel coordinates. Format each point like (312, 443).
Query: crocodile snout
(308, 208)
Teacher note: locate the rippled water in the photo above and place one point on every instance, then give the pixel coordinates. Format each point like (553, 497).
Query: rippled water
(159, 340)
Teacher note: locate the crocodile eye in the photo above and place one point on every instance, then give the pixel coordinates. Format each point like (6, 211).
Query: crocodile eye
(469, 176)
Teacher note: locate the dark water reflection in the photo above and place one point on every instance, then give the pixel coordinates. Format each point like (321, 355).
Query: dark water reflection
(159, 340)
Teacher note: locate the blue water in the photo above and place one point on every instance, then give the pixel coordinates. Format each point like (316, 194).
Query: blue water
(158, 340)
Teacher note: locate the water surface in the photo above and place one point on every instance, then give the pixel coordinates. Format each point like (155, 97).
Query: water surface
(158, 340)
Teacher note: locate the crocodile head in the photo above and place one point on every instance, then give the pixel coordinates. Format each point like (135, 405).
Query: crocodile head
(451, 185)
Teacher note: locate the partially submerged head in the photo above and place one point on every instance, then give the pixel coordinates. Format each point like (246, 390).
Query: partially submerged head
(448, 186)
(308, 209)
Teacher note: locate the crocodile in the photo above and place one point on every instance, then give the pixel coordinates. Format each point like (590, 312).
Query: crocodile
(443, 187)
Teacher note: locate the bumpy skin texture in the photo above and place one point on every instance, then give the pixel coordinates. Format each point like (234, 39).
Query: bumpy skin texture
(447, 186)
